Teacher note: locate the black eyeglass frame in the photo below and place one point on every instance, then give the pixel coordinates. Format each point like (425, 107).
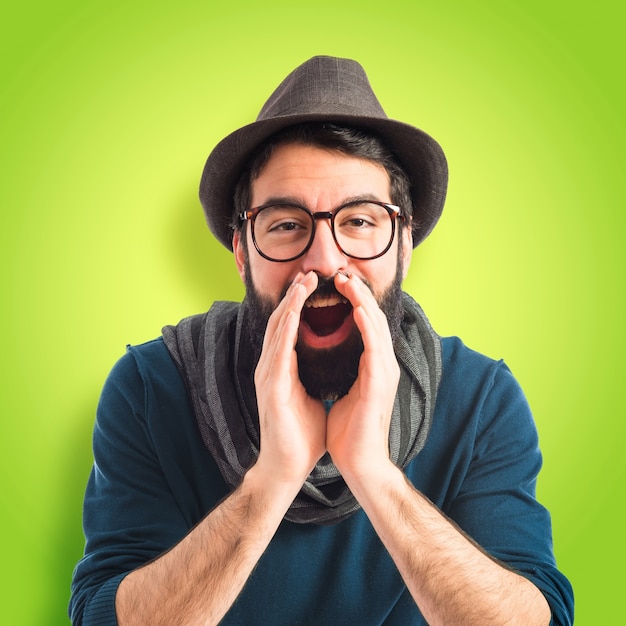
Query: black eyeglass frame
(393, 211)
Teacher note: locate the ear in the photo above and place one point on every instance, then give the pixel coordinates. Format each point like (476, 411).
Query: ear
(239, 251)
(407, 250)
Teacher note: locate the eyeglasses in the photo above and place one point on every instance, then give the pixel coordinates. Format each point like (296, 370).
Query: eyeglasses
(362, 229)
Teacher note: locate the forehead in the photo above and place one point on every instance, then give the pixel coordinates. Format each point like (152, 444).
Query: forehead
(316, 175)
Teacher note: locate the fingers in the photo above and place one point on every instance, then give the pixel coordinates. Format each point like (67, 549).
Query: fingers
(370, 320)
(285, 319)
(278, 357)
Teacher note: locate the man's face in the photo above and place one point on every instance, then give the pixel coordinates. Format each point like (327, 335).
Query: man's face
(329, 344)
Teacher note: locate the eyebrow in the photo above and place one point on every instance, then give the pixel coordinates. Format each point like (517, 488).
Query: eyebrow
(298, 202)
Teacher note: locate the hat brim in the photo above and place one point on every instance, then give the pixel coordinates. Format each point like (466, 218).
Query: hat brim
(419, 154)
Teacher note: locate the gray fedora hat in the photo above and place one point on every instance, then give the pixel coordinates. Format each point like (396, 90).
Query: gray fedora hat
(332, 90)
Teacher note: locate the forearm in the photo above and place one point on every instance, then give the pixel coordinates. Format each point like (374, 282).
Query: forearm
(452, 580)
(198, 580)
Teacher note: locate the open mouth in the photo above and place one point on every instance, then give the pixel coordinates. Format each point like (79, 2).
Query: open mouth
(325, 316)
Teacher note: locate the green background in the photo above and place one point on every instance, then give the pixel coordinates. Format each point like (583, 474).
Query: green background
(108, 110)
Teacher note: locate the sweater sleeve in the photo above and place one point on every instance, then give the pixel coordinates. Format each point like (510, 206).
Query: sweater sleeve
(496, 503)
(130, 513)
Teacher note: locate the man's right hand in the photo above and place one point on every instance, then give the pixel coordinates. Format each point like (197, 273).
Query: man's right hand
(292, 423)
(194, 585)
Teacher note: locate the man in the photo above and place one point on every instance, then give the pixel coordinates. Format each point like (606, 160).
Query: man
(317, 455)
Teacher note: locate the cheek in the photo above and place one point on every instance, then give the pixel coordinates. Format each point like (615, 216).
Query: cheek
(270, 279)
(380, 274)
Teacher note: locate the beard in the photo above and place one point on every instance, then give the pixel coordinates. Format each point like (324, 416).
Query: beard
(326, 373)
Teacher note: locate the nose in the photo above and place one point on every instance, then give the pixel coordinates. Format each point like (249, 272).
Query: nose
(324, 255)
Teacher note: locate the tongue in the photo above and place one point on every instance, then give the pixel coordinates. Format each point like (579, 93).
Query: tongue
(326, 320)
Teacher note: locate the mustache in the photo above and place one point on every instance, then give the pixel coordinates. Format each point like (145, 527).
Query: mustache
(326, 288)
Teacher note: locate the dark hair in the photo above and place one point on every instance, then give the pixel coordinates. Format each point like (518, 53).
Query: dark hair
(347, 140)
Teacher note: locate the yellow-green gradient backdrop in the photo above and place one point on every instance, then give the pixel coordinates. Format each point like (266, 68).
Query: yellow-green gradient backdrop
(107, 112)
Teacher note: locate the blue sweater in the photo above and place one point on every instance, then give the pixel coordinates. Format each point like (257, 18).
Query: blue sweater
(153, 480)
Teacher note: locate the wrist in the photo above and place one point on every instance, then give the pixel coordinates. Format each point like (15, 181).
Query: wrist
(372, 479)
(270, 487)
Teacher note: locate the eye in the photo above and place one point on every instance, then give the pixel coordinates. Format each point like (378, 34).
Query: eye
(285, 226)
(357, 222)
(280, 219)
(361, 216)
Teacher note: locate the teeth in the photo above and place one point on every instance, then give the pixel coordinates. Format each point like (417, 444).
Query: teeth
(325, 301)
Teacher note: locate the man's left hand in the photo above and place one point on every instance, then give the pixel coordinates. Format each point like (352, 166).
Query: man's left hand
(358, 424)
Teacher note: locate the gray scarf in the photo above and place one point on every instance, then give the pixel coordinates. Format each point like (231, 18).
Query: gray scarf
(217, 365)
